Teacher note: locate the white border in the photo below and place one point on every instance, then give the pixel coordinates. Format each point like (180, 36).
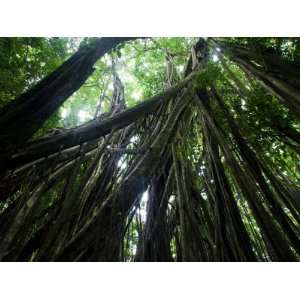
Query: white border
(149, 18)
(148, 281)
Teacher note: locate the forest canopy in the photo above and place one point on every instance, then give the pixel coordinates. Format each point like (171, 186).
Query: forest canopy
(149, 149)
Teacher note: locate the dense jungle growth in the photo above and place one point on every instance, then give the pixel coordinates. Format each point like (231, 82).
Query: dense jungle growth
(149, 149)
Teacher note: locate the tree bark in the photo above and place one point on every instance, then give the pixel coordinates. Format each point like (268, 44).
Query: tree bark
(20, 119)
(94, 129)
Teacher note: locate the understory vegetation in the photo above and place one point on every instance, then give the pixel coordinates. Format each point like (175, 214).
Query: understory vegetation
(149, 149)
